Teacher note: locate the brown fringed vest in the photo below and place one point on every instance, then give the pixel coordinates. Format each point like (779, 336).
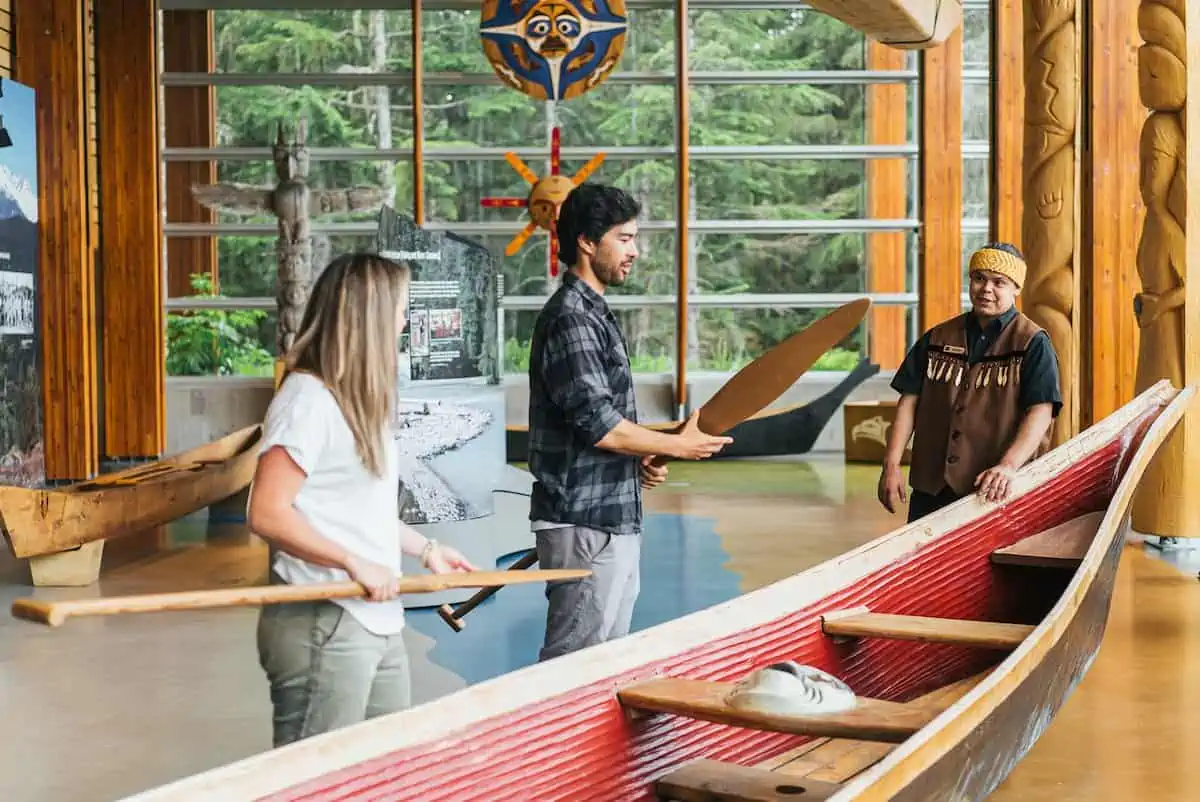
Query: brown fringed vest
(968, 415)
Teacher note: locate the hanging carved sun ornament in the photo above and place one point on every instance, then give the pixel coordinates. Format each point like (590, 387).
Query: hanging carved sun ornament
(546, 195)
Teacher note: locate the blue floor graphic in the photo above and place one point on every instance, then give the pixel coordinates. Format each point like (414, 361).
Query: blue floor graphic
(683, 571)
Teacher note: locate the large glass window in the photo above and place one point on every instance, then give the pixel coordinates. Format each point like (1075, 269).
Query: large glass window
(778, 227)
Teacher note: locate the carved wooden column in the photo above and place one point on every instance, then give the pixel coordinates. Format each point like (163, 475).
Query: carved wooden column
(1168, 342)
(1049, 230)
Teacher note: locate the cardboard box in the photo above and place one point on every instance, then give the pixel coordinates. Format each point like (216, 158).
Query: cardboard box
(866, 427)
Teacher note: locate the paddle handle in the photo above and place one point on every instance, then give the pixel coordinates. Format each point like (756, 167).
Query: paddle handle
(55, 613)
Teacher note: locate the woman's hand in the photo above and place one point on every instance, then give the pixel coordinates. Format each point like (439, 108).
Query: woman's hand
(444, 560)
(379, 580)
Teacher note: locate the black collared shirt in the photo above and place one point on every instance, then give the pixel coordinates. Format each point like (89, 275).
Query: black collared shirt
(1039, 367)
(580, 387)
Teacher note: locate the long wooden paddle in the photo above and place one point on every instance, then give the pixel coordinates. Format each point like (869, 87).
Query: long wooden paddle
(746, 393)
(54, 613)
(765, 379)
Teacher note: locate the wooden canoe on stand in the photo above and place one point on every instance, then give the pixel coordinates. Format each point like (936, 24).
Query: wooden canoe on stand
(52, 520)
(960, 637)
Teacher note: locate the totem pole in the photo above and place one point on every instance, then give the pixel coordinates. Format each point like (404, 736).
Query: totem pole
(293, 202)
(1160, 506)
(1049, 221)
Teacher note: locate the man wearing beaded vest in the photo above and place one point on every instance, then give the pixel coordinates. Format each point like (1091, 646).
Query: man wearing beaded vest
(979, 391)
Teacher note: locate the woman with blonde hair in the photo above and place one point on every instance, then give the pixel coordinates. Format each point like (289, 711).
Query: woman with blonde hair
(325, 496)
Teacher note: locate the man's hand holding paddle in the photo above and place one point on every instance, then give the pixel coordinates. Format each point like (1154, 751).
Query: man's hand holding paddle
(691, 443)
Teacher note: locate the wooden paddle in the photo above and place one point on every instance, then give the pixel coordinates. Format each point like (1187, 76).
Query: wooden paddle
(765, 379)
(747, 393)
(54, 613)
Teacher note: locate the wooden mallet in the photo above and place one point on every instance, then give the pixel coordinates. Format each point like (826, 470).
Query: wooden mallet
(747, 393)
(54, 613)
(453, 615)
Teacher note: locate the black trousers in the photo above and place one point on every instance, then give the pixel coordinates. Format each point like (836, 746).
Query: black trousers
(921, 504)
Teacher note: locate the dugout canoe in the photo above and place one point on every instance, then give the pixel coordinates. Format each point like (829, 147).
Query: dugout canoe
(38, 521)
(961, 635)
(787, 430)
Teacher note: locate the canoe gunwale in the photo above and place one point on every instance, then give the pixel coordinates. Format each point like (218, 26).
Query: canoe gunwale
(29, 516)
(937, 738)
(445, 720)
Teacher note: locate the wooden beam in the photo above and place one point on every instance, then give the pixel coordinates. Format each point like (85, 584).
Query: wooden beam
(1008, 121)
(940, 266)
(190, 121)
(716, 781)
(1050, 228)
(50, 57)
(418, 120)
(979, 634)
(887, 198)
(1168, 306)
(1113, 210)
(130, 253)
(870, 720)
(683, 196)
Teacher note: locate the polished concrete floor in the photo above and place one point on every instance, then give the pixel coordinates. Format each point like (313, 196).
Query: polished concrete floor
(105, 707)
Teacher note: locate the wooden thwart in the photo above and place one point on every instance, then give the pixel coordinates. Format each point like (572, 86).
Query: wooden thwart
(981, 634)
(871, 719)
(1063, 546)
(714, 781)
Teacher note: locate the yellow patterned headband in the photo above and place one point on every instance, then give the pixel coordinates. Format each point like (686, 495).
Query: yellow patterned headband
(998, 261)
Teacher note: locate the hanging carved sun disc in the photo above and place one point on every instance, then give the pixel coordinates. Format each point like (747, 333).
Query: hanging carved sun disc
(553, 49)
(545, 198)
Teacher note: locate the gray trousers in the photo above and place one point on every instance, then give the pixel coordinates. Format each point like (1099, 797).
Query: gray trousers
(326, 670)
(595, 609)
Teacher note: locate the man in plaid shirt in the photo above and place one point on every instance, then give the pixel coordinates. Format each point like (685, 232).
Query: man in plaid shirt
(588, 455)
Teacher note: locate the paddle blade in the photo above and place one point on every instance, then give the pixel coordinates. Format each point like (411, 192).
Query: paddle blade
(765, 379)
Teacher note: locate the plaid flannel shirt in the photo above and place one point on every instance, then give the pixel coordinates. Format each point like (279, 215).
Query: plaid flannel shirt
(580, 387)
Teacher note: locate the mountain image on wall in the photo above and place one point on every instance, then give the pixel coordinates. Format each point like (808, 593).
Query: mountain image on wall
(18, 220)
(21, 413)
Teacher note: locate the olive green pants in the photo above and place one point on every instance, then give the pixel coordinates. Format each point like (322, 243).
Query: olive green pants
(326, 670)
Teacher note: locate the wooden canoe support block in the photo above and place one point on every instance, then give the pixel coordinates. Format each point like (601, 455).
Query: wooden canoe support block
(715, 781)
(1063, 546)
(870, 720)
(978, 634)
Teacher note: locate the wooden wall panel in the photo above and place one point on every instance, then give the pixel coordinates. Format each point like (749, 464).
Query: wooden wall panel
(130, 255)
(190, 121)
(6, 38)
(50, 56)
(1113, 210)
(93, 125)
(887, 198)
(1008, 120)
(940, 267)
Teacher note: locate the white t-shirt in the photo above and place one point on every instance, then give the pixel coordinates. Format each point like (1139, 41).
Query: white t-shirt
(340, 498)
